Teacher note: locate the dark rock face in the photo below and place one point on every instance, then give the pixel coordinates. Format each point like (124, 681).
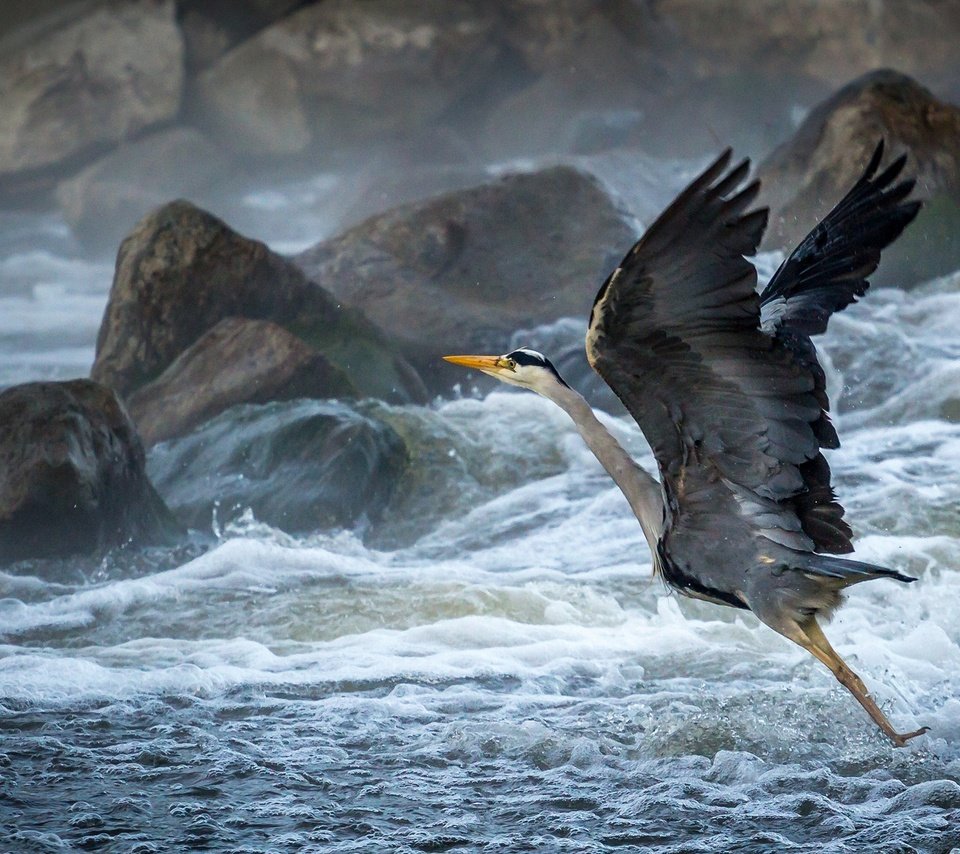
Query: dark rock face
(87, 82)
(238, 361)
(182, 271)
(72, 478)
(808, 174)
(463, 271)
(300, 466)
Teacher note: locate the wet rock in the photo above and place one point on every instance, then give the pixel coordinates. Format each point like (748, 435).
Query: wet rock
(182, 271)
(300, 466)
(340, 71)
(103, 201)
(72, 477)
(808, 174)
(87, 82)
(463, 271)
(238, 361)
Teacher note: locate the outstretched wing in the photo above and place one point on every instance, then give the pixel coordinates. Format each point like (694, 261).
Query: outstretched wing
(829, 269)
(731, 415)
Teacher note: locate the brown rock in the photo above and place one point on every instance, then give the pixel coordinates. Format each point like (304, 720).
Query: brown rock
(72, 476)
(88, 83)
(238, 361)
(809, 173)
(463, 271)
(183, 270)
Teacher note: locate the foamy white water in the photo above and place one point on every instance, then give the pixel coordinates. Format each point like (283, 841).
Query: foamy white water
(514, 679)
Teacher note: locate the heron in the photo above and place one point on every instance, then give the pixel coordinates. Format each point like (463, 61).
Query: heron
(725, 383)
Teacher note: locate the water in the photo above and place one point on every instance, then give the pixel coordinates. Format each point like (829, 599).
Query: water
(512, 679)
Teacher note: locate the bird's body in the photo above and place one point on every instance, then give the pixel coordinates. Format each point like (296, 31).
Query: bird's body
(725, 384)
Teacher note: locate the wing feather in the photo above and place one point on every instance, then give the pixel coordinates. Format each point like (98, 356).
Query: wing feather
(730, 413)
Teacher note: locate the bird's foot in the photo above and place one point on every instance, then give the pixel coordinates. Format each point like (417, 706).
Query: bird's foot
(901, 739)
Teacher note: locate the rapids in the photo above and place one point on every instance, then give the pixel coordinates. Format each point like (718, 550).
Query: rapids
(510, 678)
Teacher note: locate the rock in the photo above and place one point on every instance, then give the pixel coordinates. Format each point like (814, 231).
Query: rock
(810, 172)
(88, 83)
(818, 39)
(238, 361)
(463, 271)
(72, 476)
(339, 71)
(103, 201)
(594, 86)
(212, 27)
(300, 466)
(182, 271)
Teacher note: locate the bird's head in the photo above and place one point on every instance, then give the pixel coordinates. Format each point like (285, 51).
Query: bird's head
(524, 367)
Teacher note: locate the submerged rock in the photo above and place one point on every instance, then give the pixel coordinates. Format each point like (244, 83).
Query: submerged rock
(182, 271)
(238, 361)
(808, 174)
(72, 476)
(300, 466)
(87, 82)
(461, 272)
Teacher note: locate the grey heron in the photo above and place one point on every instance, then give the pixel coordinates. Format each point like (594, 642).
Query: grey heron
(725, 384)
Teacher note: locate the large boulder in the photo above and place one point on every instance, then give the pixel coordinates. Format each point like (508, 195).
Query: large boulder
(463, 271)
(809, 173)
(238, 361)
(212, 27)
(72, 476)
(182, 270)
(301, 466)
(817, 39)
(103, 201)
(87, 82)
(592, 86)
(339, 71)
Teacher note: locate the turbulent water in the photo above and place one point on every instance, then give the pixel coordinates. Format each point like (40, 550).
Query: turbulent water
(514, 680)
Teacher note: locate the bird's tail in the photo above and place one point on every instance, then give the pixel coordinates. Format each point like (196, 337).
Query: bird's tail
(846, 571)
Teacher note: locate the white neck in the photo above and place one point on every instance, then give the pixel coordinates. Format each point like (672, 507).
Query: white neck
(641, 490)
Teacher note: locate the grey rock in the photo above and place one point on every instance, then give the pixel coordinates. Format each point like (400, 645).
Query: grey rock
(804, 177)
(238, 361)
(88, 83)
(595, 86)
(821, 40)
(104, 201)
(461, 272)
(300, 466)
(212, 27)
(182, 271)
(340, 71)
(72, 474)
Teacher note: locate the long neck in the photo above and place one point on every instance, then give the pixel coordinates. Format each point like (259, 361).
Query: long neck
(641, 490)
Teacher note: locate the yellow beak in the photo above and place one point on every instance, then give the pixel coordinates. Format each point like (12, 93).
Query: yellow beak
(480, 363)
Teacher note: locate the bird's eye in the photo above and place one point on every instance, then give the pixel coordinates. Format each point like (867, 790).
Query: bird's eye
(511, 364)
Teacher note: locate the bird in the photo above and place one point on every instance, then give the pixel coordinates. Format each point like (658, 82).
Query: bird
(724, 381)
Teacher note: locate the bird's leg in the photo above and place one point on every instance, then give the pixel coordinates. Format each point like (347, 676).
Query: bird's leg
(815, 642)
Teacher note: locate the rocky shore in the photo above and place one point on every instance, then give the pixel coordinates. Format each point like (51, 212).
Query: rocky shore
(476, 139)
